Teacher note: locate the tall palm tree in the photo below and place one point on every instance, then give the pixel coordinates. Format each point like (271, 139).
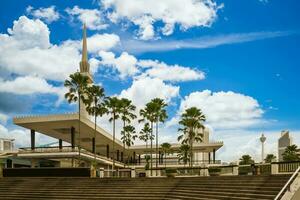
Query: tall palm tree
(166, 148)
(77, 85)
(112, 105)
(145, 134)
(191, 121)
(95, 106)
(147, 114)
(128, 136)
(184, 153)
(160, 115)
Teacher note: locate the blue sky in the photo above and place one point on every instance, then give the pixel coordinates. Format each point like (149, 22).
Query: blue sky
(236, 60)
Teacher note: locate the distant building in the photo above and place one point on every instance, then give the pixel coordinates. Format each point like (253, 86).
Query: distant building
(6, 144)
(284, 141)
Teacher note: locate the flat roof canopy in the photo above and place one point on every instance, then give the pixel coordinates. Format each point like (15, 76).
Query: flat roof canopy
(59, 127)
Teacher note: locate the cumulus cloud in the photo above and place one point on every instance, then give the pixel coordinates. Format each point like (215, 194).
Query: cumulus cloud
(125, 63)
(27, 85)
(225, 110)
(143, 90)
(144, 14)
(91, 17)
(47, 14)
(3, 118)
(166, 72)
(22, 137)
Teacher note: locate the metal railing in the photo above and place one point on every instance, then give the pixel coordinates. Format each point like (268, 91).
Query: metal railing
(288, 184)
(285, 167)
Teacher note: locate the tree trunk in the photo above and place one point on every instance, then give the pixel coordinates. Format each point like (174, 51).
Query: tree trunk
(156, 153)
(113, 149)
(151, 138)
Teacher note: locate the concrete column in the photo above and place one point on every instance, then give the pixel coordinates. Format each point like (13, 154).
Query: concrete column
(118, 155)
(132, 173)
(101, 173)
(274, 168)
(139, 159)
(107, 151)
(32, 139)
(73, 137)
(33, 163)
(93, 145)
(214, 156)
(235, 170)
(60, 142)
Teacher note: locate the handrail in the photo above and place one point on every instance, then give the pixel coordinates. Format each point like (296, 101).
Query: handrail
(287, 184)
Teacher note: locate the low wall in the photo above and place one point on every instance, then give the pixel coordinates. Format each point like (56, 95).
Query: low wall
(46, 172)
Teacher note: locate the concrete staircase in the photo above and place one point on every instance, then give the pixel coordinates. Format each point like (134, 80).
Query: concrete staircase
(219, 187)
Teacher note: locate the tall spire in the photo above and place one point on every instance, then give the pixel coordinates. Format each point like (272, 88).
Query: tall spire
(84, 45)
(84, 64)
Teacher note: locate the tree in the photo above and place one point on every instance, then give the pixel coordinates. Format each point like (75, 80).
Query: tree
(270, 158)
(246, 160)
(166, 148)
(191, 121)
(184, 153)
(147, 114)
(113, 105)
(145, 134)
(128, 135)
(160, 115)
(94, 101)
(77, 85)
(291, 153)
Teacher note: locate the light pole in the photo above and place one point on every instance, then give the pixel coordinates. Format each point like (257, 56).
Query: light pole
(262, 140)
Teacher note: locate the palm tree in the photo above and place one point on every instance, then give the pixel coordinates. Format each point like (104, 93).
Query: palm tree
(291, 153)
(184, 153)
(113, 108)
(166, 148)
(270, 158)
(191, 121)
(77, 85)
(147, 114)
(160, 115)
(128, 136)
(145, 134)
(246, 160)
(95, 106)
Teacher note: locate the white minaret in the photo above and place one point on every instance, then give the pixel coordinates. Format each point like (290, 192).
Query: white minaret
(85, 68)
(262, 140)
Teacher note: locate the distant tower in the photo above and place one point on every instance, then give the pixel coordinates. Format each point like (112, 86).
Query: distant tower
(85, 68)
(262, 140)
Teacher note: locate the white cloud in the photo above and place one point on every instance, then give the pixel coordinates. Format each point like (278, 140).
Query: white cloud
(225, 110)
(91, 17)
(26, 48)
(48, 14)
(125, 63)
(138, 46)
(22, 137)
(144, 13)
(166, 72)
(27, 85)
(104, 41)
(3, 118)
(143, 90)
